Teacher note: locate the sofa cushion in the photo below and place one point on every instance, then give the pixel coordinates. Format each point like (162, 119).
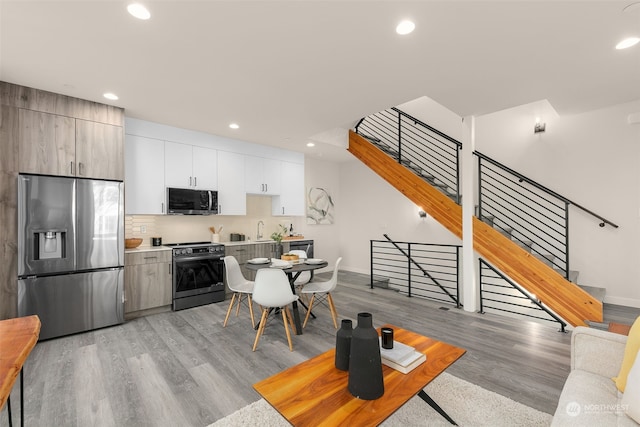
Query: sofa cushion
(630, 352)
(631, 398)
(589, 399)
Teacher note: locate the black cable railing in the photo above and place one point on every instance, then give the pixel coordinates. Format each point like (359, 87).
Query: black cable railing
(530, 214)
(417, 269)
(429, 153)
(499, 293)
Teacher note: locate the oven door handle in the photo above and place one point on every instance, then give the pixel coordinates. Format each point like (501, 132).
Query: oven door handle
(197, 257)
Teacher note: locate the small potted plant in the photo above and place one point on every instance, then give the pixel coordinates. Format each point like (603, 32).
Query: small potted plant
(278, 235)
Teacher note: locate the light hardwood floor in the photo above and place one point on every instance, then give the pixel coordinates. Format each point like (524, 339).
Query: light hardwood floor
(184, 369)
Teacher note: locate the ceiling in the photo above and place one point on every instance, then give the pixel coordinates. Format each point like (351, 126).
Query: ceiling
(288, 70)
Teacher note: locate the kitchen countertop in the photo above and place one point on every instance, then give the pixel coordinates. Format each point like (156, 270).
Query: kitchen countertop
(147, 249)
(247, 242)
(235, 243)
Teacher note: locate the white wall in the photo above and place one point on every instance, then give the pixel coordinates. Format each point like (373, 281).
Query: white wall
(370, 207)
(323, 174)
(592, 159)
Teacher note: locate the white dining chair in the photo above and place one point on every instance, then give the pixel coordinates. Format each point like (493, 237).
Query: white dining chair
(321, 292)
(241, 288)
(272, 290)
(305, 276)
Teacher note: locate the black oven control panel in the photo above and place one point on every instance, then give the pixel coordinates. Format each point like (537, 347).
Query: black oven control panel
(204, 250)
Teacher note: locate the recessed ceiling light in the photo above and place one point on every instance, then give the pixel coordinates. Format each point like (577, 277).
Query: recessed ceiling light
(139, 11)
(234, 126)
(628, 42)
(111, 96)
(405, 27)
(310, 144)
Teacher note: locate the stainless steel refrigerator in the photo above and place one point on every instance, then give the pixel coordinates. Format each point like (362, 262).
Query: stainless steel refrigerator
(70, 253)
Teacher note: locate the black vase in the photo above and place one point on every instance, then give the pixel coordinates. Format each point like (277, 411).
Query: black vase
(365, 365)
(343, 345)
(279, 250)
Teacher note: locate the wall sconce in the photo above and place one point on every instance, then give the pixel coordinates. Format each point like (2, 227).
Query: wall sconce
(422, 214)
(539, 127)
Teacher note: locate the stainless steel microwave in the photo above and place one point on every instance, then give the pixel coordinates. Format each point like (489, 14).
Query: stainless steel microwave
(182, 201)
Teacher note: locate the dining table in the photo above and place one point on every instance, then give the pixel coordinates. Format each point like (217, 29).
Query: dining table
(292, 269)
(18, 336)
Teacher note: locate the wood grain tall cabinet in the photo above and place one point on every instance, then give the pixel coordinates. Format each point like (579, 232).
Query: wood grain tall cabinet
(47, 133)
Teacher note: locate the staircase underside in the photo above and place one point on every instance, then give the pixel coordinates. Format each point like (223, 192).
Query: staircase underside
(566, 299)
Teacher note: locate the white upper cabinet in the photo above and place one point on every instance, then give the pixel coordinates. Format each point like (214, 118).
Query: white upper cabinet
(291, 201)
(144, 176)
(234, 168)
(188, 166)
(262, 176)
(205, 168)
(232, 198)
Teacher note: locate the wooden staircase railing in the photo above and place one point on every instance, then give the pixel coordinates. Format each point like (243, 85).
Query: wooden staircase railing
(566, 299)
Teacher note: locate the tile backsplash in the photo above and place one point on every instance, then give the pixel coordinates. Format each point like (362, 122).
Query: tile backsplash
(195, 228)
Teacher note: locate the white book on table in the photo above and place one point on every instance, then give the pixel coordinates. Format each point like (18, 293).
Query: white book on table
(397, 353)
(401, 357)
(412, 361)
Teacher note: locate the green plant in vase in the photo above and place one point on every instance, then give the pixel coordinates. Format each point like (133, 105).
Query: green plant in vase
(278, 235)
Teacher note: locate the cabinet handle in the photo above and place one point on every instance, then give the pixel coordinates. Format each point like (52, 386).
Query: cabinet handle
(266, 188)
(195, 181)
(170, 268)
(72, 173)
(162, 207)
(151, 257)
(80, 168)
(190, 181)
(219, 209)
(283, 210)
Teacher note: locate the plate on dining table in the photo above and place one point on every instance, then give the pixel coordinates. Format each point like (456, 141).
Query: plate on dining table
(279, 263)
(314, 261)
(258, 261)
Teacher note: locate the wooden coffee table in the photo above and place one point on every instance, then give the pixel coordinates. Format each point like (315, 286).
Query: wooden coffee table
(314, 393)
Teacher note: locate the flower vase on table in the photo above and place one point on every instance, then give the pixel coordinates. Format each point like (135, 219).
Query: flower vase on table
(365, 363)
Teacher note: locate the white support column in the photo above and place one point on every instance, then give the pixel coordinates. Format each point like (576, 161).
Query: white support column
(470, 286)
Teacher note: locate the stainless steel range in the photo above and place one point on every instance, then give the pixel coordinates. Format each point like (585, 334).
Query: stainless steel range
(198, 274)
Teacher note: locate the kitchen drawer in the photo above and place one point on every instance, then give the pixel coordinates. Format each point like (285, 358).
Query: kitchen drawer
(242, 253)
(147, 257)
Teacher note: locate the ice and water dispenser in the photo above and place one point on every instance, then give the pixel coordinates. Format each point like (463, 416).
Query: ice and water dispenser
(49, 244)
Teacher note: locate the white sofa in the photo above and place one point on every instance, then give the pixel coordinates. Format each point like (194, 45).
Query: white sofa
(589, 396)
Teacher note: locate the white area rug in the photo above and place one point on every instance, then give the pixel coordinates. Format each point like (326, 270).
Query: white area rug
(466, 403)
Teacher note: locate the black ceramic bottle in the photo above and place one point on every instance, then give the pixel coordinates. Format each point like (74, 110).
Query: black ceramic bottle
(365, 364)
(343, 345)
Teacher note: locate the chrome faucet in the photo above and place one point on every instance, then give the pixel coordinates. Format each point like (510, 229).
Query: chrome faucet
(259, 233)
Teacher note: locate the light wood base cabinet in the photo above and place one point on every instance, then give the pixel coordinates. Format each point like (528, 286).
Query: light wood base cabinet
(147, 281)
(244, 253)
